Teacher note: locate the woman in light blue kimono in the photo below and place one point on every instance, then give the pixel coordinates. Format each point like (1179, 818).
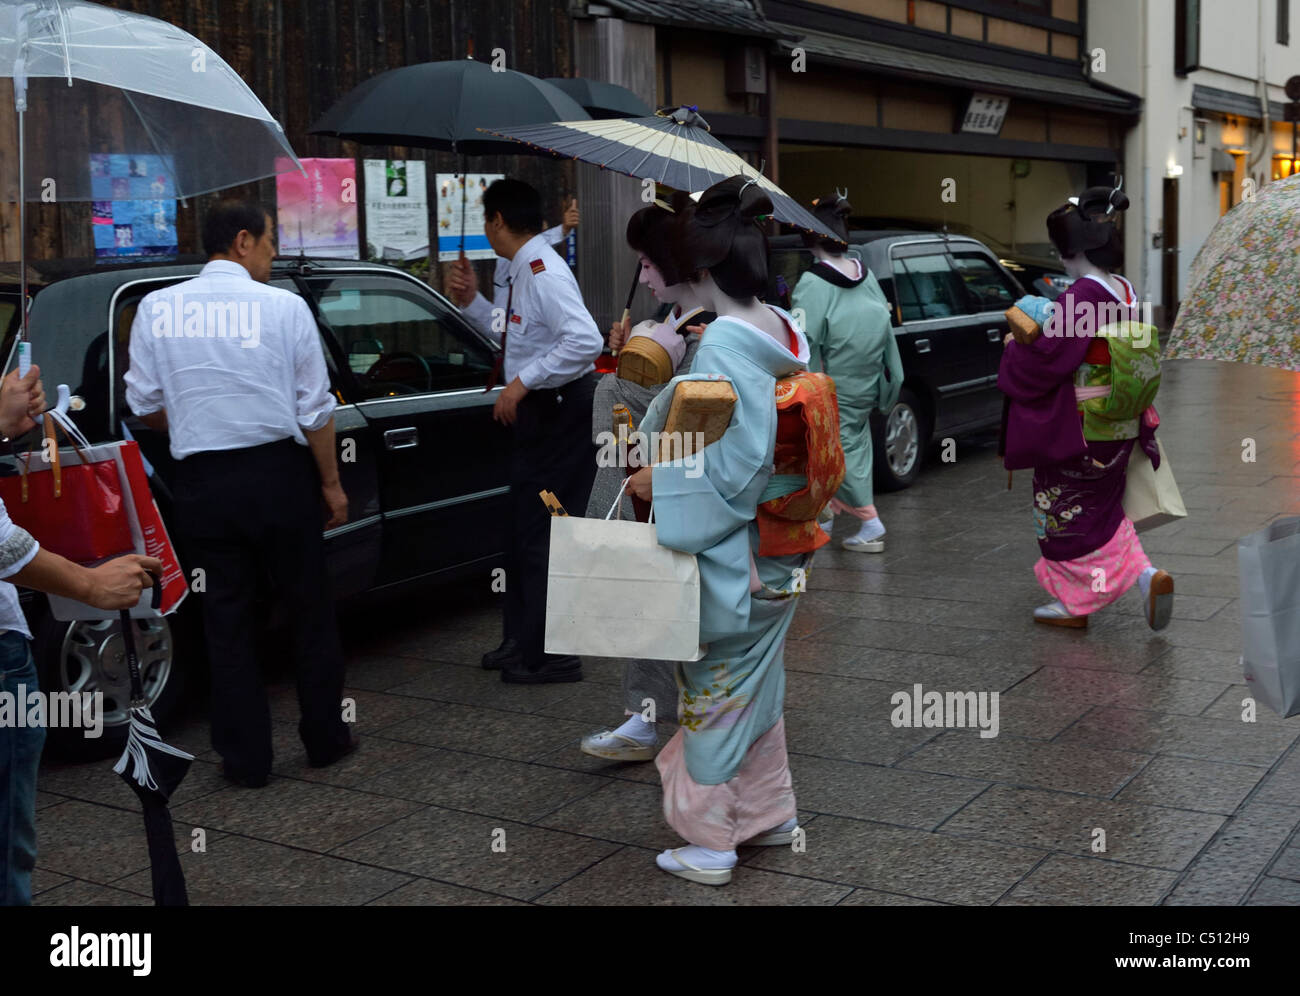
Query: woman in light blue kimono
(725, 773)
(846, 317)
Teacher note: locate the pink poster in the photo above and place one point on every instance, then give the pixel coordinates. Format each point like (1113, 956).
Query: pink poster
(318, 211)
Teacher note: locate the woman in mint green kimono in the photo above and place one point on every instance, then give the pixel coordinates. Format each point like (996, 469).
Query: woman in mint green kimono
(726, 775)
(846, 318)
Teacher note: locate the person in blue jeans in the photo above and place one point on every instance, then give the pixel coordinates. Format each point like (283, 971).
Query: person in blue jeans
(114, 585)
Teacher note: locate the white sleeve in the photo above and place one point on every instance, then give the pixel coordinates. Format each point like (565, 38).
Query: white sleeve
(144, 395)
(556, 299)
(554, 236)
(479, 312)
(314, 402)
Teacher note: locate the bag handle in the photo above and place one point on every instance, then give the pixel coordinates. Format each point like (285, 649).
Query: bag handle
(75, 437)
(618, 504)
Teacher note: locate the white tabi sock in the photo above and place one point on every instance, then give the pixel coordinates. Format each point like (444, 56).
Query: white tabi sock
(871, 529)
(703, 857)
(638, 729)
(1144, 581)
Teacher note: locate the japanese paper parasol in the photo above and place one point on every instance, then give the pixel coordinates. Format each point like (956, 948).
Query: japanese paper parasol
(673, 148)
(1241, 303)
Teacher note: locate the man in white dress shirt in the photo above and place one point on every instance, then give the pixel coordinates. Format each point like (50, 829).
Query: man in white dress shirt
(550, 345)
(233, 369)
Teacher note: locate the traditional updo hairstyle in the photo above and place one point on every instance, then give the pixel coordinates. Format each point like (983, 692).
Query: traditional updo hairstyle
(652, 232)
(1086, 224)
(721, 234)
(833, 212)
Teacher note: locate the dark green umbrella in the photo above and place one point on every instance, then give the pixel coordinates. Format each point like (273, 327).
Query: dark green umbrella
(603, 100)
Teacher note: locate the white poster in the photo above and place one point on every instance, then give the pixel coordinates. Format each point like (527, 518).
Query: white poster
(461, 196)
(397, 209)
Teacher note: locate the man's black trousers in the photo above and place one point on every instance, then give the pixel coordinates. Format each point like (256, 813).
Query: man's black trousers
(245, 515)
(553, 451)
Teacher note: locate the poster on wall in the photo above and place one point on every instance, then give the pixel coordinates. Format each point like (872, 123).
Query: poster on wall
(455, 190)
(133, 211)
(397, 209)
(318, 211)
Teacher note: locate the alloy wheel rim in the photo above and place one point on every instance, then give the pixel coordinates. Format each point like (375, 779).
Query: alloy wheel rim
(93, 659)
(902, 434)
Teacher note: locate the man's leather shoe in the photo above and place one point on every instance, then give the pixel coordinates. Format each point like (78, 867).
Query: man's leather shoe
(338, 754)
(550, 668)
(508, 652)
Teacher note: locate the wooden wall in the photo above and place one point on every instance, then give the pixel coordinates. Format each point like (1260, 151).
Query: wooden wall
(300, 56)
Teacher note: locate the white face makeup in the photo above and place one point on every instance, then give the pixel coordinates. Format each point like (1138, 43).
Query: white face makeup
(653, 279)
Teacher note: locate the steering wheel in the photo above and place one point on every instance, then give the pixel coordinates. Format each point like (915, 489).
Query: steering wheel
(383, 370)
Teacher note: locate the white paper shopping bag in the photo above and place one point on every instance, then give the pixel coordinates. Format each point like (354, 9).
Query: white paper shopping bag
(613, 591)
(1269, 567)
(1151, 497)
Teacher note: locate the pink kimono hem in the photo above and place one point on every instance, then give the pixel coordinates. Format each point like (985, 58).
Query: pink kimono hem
(758, 798)
(1115, 567)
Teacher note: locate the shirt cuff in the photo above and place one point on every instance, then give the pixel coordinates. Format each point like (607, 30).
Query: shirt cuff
(17, 551)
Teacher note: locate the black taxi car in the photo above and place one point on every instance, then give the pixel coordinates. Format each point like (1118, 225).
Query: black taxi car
(947, 295)
(424, 466)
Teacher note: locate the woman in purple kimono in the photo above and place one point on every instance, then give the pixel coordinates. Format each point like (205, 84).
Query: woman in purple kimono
(1074, 417)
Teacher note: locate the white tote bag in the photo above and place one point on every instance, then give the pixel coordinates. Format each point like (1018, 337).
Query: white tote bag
(1151, 497)
(1269, 566)
(613, 591)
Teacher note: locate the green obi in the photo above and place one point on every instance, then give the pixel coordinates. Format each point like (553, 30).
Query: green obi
(1133, 377)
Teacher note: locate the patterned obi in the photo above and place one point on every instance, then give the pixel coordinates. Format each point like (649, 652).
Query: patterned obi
(1113, 390)
(809, 466)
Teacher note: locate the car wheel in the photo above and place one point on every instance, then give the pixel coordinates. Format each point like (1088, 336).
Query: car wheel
(900, 439)
(89, 656)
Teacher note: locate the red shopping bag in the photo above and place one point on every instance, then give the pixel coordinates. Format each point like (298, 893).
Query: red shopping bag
(74, 509)
(153, 534)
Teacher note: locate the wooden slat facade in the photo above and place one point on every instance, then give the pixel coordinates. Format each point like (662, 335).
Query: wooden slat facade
(299, 57)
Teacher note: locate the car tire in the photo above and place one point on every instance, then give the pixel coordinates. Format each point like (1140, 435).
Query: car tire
(88, 656)
(900, 438)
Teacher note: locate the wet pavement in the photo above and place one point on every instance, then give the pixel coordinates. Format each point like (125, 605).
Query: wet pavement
(1122, 772)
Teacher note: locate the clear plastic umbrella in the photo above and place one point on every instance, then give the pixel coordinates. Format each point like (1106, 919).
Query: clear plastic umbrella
(95, 80)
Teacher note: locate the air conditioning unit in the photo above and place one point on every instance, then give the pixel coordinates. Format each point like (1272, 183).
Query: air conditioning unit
(746, 71)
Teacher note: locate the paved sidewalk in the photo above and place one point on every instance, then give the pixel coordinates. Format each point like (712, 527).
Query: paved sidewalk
(1112, 729)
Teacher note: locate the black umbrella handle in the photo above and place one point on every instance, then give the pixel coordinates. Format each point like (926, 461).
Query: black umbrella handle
(128, 643)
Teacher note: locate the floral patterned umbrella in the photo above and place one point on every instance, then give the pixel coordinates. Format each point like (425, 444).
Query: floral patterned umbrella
(1241, 304)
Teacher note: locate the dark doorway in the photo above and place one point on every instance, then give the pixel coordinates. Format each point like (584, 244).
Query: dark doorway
(1169, 253)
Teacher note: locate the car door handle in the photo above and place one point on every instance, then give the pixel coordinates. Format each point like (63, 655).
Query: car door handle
(922, 345)
(995, 335)
(401, 439)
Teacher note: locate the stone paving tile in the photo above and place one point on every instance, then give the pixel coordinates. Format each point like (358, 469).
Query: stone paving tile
(630, 878)
(1281, 787)
(1197, 608)
(836, 694)
(379, 672)
(1155, 692)
(570, 758)
(236, 871)
(43, 879)
(1143, 835)
(1287, 864)
(1092, 649)
(1228, 706)
(909, 862)
(485, 785)
(901, 636)
(1183, 736)
(626, 812)
(44, 799)
(96, 843)
(874, 897)
(1184, 783)
(457, 848)
(1064, 881)
(965, 615)
(866, 792)
(1089, 771)
(1276, 892)
(74, 893)
(474, 686)
(848, 737)
(373, 710)
(299, 814)
(98, 782)
(598, 707)
(1199, 665)
(425, 892)
(1225, 871)
(488, 731)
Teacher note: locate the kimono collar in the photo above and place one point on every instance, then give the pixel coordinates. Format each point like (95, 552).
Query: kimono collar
(834, 276)
(680, 321)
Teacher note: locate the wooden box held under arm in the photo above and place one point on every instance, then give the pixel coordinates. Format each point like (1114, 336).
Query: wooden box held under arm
(1023, 328)
(698, 406)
